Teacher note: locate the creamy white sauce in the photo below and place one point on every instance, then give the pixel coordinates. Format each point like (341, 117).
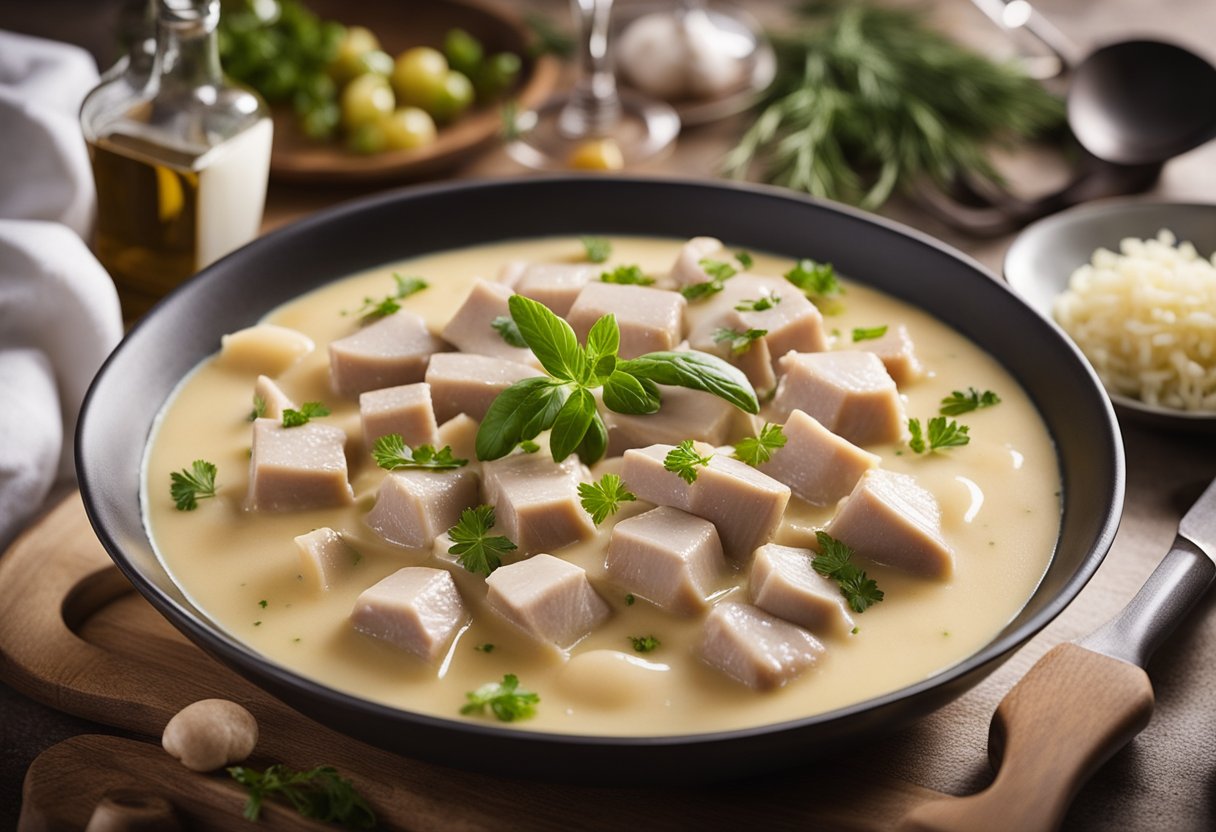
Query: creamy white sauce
(999, 496)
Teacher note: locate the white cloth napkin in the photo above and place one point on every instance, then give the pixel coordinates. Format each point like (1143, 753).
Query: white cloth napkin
(59, 313)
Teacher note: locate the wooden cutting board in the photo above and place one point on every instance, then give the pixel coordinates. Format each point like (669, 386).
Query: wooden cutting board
(77, 637)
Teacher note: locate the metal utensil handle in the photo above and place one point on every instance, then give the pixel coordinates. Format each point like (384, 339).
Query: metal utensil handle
(1014, 15)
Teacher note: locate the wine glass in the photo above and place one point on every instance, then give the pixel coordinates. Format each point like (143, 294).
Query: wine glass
(594, 125)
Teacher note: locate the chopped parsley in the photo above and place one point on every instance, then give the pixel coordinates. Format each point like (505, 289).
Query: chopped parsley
(484, 648)
(505, 699)
(188, 487)
(259, 408)
(819, 283)
(597, 249)
(509, 331)
(629, 600)
(319, 793)
(392, 454)
(307, 412)
(941, 434)
(719, 271)
(868, 333)
(373, 310)
(263, 603)
(683, 461)
(833, 561)
(960, 402)
(759, 305)
(475, 548)
(603, 498)
(757, 450)
(745, 259)
(528, 446)
(627, 276)
(644, 644)
(740, 342)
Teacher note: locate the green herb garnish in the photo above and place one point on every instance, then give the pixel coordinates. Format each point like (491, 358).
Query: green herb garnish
(819, 283)
(597, 249)
(475, 548)
(868, 334)
(942, 434)
(629, 600)
(758, 305)
(644, 644)
(392, 454)
(562, 401)
(308, 411)
(833, 561)
(373, 310)
(507, 701)
(960, 402)
(259, 408)
(719, 271)
(740, 342)
(319, 793)
(188, 487)
(745, 259)
(757, 450)
(627, 276)
(506, 328)
(603, 498)
(528, 446)
(484, 648)
(683, 461)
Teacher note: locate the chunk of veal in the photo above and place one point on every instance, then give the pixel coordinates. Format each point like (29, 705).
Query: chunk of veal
(685, 414)
(668, 557)
(744, 504)
(405, 410)
(470, 329)
(817, 465)
(414, 506)
(271, 397)
(892, 520)
(324, 558)
(536, 501)
(264, 348)
(849, 392)
(392, 351)
(755, 648)
(687, 269)
(556, 285)
(790, 321)
(465, 383)
(297, 468)
(784, 583)
(416, 609)
(548, 598)
(649, 319)
(897, 352)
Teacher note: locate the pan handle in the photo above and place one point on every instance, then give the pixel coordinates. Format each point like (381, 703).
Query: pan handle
(1059, 724)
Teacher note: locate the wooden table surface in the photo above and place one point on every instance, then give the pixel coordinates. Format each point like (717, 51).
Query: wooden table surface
(1165, 779)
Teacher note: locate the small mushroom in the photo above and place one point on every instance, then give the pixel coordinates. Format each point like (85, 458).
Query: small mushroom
(210, 733)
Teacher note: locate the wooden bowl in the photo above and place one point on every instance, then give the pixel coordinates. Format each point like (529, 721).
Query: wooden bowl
(399, 26)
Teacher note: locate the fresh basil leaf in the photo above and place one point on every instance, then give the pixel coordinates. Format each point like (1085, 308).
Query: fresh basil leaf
(501, 429)
(541, 408)
(595, 442)
(551, 338)
(603, 342)
(696, 371)
(571, 424)
(624, 393)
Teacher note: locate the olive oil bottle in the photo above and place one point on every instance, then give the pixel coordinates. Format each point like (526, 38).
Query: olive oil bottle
(180, 162)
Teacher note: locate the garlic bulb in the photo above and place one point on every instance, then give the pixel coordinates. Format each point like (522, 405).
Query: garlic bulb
(680, 55)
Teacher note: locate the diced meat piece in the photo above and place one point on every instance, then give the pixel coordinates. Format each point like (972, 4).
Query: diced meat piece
(645, 476)
(890, 519)
(784, 583)
(649, 319)
(897, 352)
(324, 558)
(460, 432)
(416, 609)
(264, 348)
(668, 557)
(685, 414)
(297, 468)
(745, 504)
(755, 648)
(404, 410)
(470, 330)
(413, 506)
(536, 500)
(548, 598)
(849, 392)
(556, 285)
(270, 398)
(753, 358)
(687, 269)
(463, 383)
(390, 352)
(817, 465)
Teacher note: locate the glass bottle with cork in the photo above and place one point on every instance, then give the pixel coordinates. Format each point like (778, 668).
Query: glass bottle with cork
(180, 164)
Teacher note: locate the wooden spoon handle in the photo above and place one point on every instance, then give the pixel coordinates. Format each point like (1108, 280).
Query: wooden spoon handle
(1055, 728)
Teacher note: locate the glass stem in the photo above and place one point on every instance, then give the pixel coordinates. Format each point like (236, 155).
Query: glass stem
(594, 106)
